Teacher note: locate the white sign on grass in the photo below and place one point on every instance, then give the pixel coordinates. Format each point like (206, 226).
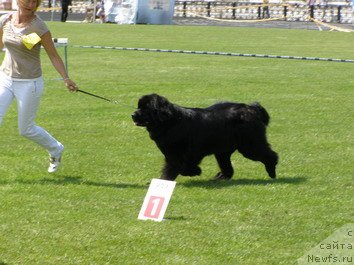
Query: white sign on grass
(156, 200)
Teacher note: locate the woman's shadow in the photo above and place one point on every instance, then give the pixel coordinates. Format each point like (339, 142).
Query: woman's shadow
(77, 180)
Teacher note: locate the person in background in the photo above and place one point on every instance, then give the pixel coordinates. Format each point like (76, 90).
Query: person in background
(64, 9)
(100, 11)
(265, 13)
(22, 33)
(311, 4)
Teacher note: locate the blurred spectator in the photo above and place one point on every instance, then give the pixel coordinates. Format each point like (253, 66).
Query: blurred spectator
(265, 13)
(311, 4)
(100, 14)
(64, 9)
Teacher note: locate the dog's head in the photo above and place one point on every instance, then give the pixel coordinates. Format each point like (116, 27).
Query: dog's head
(153, 110)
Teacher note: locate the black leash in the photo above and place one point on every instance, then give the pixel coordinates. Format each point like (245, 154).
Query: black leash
(103, 98)
(96, 96)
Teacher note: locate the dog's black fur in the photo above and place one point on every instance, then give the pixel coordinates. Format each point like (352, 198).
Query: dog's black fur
(186, 135)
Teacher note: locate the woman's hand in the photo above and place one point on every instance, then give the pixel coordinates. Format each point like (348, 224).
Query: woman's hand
(70, 84)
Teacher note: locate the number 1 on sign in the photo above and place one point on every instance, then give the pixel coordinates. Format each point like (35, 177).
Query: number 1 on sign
(154, 207)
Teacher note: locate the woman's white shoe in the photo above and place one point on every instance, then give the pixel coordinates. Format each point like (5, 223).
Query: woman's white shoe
(54, 163)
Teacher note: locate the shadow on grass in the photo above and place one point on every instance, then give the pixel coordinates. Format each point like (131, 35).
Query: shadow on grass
(173, 218)
(70, 180)
(213, 184)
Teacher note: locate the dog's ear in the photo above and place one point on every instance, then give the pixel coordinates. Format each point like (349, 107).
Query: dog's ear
(164, 114)
(155, 108)
(163, 109)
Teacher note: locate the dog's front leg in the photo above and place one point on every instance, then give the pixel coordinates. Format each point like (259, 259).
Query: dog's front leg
(170, 171)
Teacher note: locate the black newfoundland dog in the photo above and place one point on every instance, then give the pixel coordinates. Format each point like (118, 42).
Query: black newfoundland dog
(186, 135)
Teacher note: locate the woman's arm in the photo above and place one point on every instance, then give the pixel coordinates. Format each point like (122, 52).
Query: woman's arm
(1, 43)
(57, 62)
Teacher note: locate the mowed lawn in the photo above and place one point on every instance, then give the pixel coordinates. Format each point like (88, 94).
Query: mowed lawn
(87, 212)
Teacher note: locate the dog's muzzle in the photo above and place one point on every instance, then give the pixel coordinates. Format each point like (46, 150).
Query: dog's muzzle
(138, 119)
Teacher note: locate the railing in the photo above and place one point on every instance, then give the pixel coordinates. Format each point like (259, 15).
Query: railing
(330, 13)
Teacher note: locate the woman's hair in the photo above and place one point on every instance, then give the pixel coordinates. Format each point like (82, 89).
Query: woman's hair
(39, 2)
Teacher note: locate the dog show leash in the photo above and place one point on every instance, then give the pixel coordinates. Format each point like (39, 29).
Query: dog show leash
(103, 98)
(96, 96)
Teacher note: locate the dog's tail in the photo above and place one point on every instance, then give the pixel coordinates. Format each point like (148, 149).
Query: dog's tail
(263, 114)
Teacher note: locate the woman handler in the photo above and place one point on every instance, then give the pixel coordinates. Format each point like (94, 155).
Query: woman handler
(23, 33)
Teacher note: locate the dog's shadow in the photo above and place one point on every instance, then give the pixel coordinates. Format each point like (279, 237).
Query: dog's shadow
(212, 184)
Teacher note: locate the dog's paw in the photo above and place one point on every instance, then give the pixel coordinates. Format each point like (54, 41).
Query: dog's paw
(271, 170)
(191, 171)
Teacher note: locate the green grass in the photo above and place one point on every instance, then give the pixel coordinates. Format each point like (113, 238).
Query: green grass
(87, 212)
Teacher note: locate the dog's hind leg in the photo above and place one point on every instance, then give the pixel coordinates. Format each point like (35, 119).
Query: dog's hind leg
(224, 162)
(270, 162)
(263, 154)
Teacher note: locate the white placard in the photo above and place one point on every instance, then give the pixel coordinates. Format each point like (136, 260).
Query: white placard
(156, 200)
(60, 41)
